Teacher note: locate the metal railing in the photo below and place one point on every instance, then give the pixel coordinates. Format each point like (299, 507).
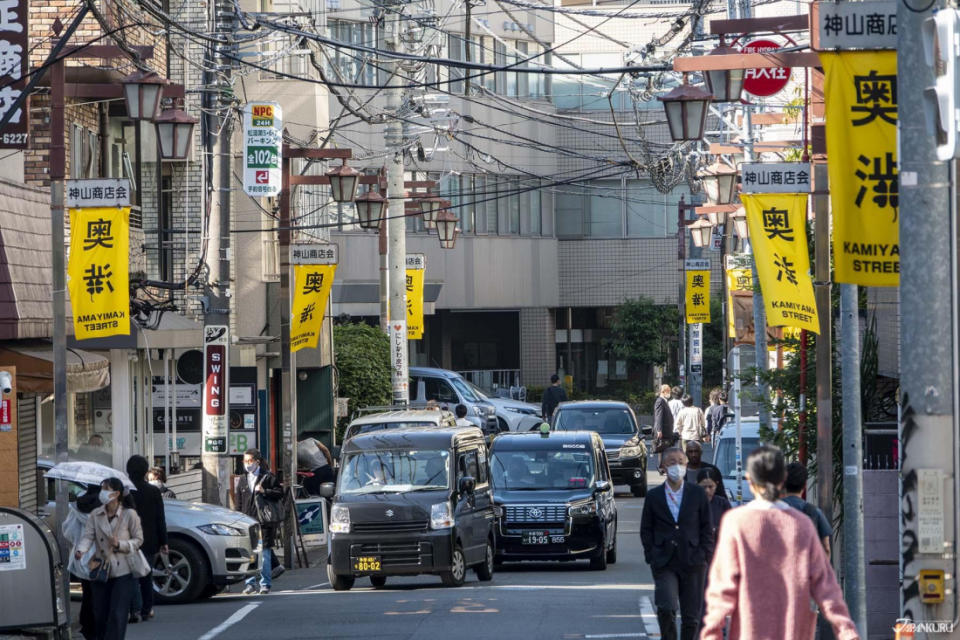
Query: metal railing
(496, 382)
(881, 447)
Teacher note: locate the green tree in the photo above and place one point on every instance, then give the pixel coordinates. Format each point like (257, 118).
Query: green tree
(713, 334)
(363, 366)
(643, 333)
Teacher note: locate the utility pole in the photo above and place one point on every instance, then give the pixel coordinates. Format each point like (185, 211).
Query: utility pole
(396, 220)
(928, 337)
(219, 125)
(821, 212)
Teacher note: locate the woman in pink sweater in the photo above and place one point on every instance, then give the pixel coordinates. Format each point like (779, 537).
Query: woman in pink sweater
(769, 567)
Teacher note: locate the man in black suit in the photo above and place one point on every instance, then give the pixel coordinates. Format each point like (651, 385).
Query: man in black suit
(149, 502)
(663, 419)
(677, 541)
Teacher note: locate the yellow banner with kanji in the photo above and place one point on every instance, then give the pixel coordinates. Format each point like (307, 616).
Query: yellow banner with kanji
(778, 235)
(860, 89)
(98, 272)
(415, 303)
(737, 280)
(698, 296)
(311, 288)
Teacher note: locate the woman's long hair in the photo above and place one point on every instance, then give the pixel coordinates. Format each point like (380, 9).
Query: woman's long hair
(116, 484)
(767, 471)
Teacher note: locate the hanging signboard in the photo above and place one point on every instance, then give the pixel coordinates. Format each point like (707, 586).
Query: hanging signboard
(861, 98)
(416, 269)
(779, 239)
(764, 82)
(216, 343)
(14, 72)
(739, 274)
(697, 291)
(311, 288)
(398, 360)
(775, 177)
(98, 272)
(869, 24)
(325, 253)
(97, 192)
(262, 148)
(696, 348)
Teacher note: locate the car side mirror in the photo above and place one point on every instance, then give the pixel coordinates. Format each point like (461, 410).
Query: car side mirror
(327, 490)
(468, 485)
(646, 430)
(602, 485)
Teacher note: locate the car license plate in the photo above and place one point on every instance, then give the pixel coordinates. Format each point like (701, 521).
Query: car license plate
(367, 564)
(541, 538)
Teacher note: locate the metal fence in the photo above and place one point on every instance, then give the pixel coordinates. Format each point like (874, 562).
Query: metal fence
(497, 382)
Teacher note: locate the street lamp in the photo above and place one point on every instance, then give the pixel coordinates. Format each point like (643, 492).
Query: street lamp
(141, 92)
(686, 109)
(370, 208)
(700, 232)
(724, 84)
(719, 182)
(739, 218)
(446, 223)
(175, 132)
(343, 182)
(429, 207)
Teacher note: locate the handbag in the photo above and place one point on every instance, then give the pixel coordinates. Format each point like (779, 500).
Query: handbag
(139, 565)
(268, 511)
(99, 570)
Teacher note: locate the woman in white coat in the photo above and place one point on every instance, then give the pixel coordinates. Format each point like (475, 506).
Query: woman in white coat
(115, 530)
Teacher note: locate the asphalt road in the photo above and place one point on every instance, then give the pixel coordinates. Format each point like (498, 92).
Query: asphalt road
(527, 601)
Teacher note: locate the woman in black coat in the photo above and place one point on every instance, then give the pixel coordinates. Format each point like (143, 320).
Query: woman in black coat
(259, 480)
(149, 502)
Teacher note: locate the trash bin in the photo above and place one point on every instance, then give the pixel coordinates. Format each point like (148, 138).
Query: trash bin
(33, 594)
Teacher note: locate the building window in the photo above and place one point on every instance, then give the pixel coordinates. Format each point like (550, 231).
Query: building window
(513, 206)
(351, 64)
(466, 211)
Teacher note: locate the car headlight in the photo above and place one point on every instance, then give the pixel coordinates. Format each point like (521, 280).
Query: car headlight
(441, 516)
(588, 508)
(498, 510)
(217, 529)
(634, 451)
(340, 519)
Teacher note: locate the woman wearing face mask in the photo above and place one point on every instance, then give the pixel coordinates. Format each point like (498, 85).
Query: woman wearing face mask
(157, 478)
(770, 565)
(114, 529)
(709, 479)
(259, 480)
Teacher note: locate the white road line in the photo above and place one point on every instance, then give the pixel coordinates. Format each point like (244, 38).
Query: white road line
(616, 635)
(314, 586)
(239, 615)
(650, 623)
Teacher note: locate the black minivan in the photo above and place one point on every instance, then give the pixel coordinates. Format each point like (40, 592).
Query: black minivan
(554, 498)
(412, 501)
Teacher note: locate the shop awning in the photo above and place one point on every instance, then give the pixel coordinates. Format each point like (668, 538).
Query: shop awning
(86, 371)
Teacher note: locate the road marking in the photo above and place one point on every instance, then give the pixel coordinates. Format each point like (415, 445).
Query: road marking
(616, 635)
(239, 615)
(314, 586)
(650, 623)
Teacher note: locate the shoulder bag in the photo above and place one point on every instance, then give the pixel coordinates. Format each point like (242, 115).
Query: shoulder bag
(268, 511)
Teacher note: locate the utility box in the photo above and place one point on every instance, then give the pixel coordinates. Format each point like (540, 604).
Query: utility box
(31, 576)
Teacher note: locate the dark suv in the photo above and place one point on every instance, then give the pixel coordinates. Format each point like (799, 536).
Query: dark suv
(411, 501)
(554, 499)
(622, 438)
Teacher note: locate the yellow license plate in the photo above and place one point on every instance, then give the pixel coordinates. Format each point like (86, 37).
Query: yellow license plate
(367, 563)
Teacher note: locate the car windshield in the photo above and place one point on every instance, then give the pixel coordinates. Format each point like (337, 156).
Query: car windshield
(468, 394)
(357, 429)
(477, 391)
(394, 471)
(726, 456)
(566, 468)
(614, 420)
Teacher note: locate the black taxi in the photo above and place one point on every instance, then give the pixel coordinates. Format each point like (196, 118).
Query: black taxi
(412, 501)
(554, 498)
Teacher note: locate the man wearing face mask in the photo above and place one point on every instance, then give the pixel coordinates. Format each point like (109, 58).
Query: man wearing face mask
(677, 537)
(258, 479)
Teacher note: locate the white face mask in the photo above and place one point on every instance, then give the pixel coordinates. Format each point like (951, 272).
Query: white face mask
(106, 496)
(251, 468)
(156, 483)
(676, 471)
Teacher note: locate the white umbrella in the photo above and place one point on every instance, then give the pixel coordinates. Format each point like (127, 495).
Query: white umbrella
(87, 473)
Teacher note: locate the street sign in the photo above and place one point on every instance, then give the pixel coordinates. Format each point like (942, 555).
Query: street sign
(692, 264)
(324, 253)
(869, 24)
(14, 69)
(696, 347)
(398, 360)
(216, 342)
(262, 148)
(416, 261)
(764, 82)
(98, 192)
(775, 177)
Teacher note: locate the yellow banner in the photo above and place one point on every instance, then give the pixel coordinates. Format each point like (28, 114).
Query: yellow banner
(698, 297)
(737, 280)
(98, 272)
(415, 303)
(861, 96)
(311, 288)
(778, 235)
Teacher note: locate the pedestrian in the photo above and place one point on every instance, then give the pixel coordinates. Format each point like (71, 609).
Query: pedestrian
(552, 396)
(461, 413)
(259, 480)
(695, 465)
(793, 488)
(114, 530)
(663, 420)
(153, 522)
(690, 424)
(710, 480)
(770, 565)
(713, 412)
(93, 451)
(677, 537)
(158, 478)
(314, 458)
(676, 400)
(724, 414)
(73, 529)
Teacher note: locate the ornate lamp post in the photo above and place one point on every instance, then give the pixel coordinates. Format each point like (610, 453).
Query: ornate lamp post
(739, 218)
(719, 182)
(430, 207)
(175, 133)
(700, 232)
(446, 223)
(724, 84)
(686, 109)
(141, 92)
(370, 209)
(343, 182)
